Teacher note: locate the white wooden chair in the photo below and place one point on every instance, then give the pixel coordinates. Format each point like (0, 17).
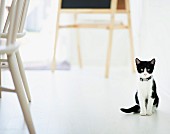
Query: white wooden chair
(20, 34)
(11, 49)
(117, 7)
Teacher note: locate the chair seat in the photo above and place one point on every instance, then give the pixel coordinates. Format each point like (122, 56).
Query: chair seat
(8, 49)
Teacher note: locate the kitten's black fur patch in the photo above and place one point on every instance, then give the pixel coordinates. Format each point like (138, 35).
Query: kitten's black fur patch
(135, 109)
(154, 94)
(141, 65)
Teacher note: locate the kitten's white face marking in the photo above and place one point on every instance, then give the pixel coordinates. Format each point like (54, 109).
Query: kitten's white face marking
(144, 74)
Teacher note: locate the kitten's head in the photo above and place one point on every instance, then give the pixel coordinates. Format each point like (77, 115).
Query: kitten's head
(145, 68)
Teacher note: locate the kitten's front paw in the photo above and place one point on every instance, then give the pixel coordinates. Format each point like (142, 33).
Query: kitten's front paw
(149, 113)
(142, 113)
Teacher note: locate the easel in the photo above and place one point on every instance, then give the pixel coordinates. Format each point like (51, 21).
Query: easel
(117, 6)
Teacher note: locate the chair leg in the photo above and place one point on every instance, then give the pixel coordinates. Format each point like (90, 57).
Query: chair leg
(2, 9)
(23, 76)
(12, 61)
(0, 80)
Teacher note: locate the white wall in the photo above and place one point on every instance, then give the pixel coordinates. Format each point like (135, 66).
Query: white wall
(154, 41)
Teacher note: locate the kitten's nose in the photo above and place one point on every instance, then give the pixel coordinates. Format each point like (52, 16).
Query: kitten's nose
(145, 74)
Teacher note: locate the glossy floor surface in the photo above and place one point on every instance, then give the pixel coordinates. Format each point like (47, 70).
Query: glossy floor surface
(82, 102)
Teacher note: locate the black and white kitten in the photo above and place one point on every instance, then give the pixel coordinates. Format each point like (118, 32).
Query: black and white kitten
(146, 97)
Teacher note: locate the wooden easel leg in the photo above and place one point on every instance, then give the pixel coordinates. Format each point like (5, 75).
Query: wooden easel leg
(53, 66)
(130, 35)
(79, 49)
(23, 75)
(78, 43)
(20, 92)
(111, 30)
(109, 50)
(131, 48)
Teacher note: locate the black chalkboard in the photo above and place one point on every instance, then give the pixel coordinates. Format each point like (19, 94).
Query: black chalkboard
(95, 4)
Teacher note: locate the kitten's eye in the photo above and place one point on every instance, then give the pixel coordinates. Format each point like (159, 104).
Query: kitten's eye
(148, 69)
(141, 69)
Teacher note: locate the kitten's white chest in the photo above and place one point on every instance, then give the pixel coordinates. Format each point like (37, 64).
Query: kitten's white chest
(145, 88)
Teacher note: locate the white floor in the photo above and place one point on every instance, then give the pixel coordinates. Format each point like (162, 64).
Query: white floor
(82, 102)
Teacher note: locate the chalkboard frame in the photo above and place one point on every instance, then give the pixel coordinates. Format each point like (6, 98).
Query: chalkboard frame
(119, 9)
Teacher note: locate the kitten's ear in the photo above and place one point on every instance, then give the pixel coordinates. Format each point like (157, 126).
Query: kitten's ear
(137, 61)
(153, 61)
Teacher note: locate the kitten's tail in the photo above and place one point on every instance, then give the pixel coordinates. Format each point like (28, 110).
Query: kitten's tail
(134, 109)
